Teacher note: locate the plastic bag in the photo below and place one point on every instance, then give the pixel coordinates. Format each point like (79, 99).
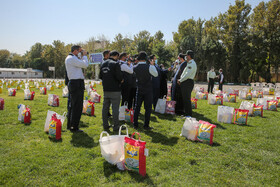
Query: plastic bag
(258, 110)
(225, 114)
(12, 92)
(249, 96)
(240, 116)
(194, 103)
(53, 100)
(55, 127)
(122, 111)
(28, 95)
(201, 95)
(24, 114)
(190, 129)
(262, 101)
(2, 103)
(170, 107)
(232, 98)
(265, 91)
(95, 97)
(43, 90)
(49, 116)
(112, 147)
(135, 158)
(242, 94)
(161, 105)
(271, 91)
(278, 101)
(65, 92)
(88, 108)
(205, 132)
(129, 115)
(225, 98)
(219, 100)
(247, 106)
(272, 105)
(212, 99)
(236, 92)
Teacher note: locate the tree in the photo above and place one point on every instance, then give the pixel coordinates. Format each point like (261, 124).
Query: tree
(234, 34)
(265, 25)
(4, 57)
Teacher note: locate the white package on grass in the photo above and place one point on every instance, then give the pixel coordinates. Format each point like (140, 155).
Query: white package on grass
(161, 105)
(112, 147)
(247, 105)
(190, 128)
(225, 114)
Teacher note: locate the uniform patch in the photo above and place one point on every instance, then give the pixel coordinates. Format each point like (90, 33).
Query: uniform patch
(190, 67)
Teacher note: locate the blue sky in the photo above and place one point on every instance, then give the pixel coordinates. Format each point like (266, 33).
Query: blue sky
(25, 22)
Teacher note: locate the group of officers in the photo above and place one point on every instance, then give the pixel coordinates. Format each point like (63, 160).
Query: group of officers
(128, 81)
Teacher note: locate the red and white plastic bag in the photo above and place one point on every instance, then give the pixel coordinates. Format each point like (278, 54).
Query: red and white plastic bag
(170, 107)
(135, 153)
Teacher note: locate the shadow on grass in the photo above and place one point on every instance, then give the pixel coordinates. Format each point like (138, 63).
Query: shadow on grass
(215, 144)
(110, 169)
(82, 139)
(83, 124)
(202, 117)
(55, 140)
(168, 117)
(158, 137)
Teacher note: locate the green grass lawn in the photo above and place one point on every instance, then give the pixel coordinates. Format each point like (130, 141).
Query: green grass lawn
(240, 156)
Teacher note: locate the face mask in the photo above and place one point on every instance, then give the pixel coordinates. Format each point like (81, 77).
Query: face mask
(80, 55)
(155, 61)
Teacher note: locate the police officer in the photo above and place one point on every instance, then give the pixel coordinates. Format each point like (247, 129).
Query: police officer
(187, 83)
(127, 71)
(144, 73)
(76, 86)
(111, 75)
(221, 79)
(211, 75)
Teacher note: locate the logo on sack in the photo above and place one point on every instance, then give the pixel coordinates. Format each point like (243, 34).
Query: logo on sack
(132, 153)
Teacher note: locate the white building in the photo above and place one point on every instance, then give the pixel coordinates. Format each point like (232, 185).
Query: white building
(20, 73)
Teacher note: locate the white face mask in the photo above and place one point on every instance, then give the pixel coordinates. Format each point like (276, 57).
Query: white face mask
(80, 55)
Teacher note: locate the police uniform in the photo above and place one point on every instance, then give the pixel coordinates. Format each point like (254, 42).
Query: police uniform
(221, 81)
(127, 84)
(144, 73)
(76, 88)
(210, 78)
(187, 84)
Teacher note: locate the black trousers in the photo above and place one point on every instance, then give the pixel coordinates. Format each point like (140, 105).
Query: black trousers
(210, 85)
(125, 94)
(147, 97)
(132, 98)
(76, 90)
(221, 86)
(186, 89)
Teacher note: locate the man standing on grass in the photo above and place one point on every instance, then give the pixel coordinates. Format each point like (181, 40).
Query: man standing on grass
(127, 72)
(111, 75)
(187, 83)
(144, 73)
(211, 75)
(221, 79)
(76, 86)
